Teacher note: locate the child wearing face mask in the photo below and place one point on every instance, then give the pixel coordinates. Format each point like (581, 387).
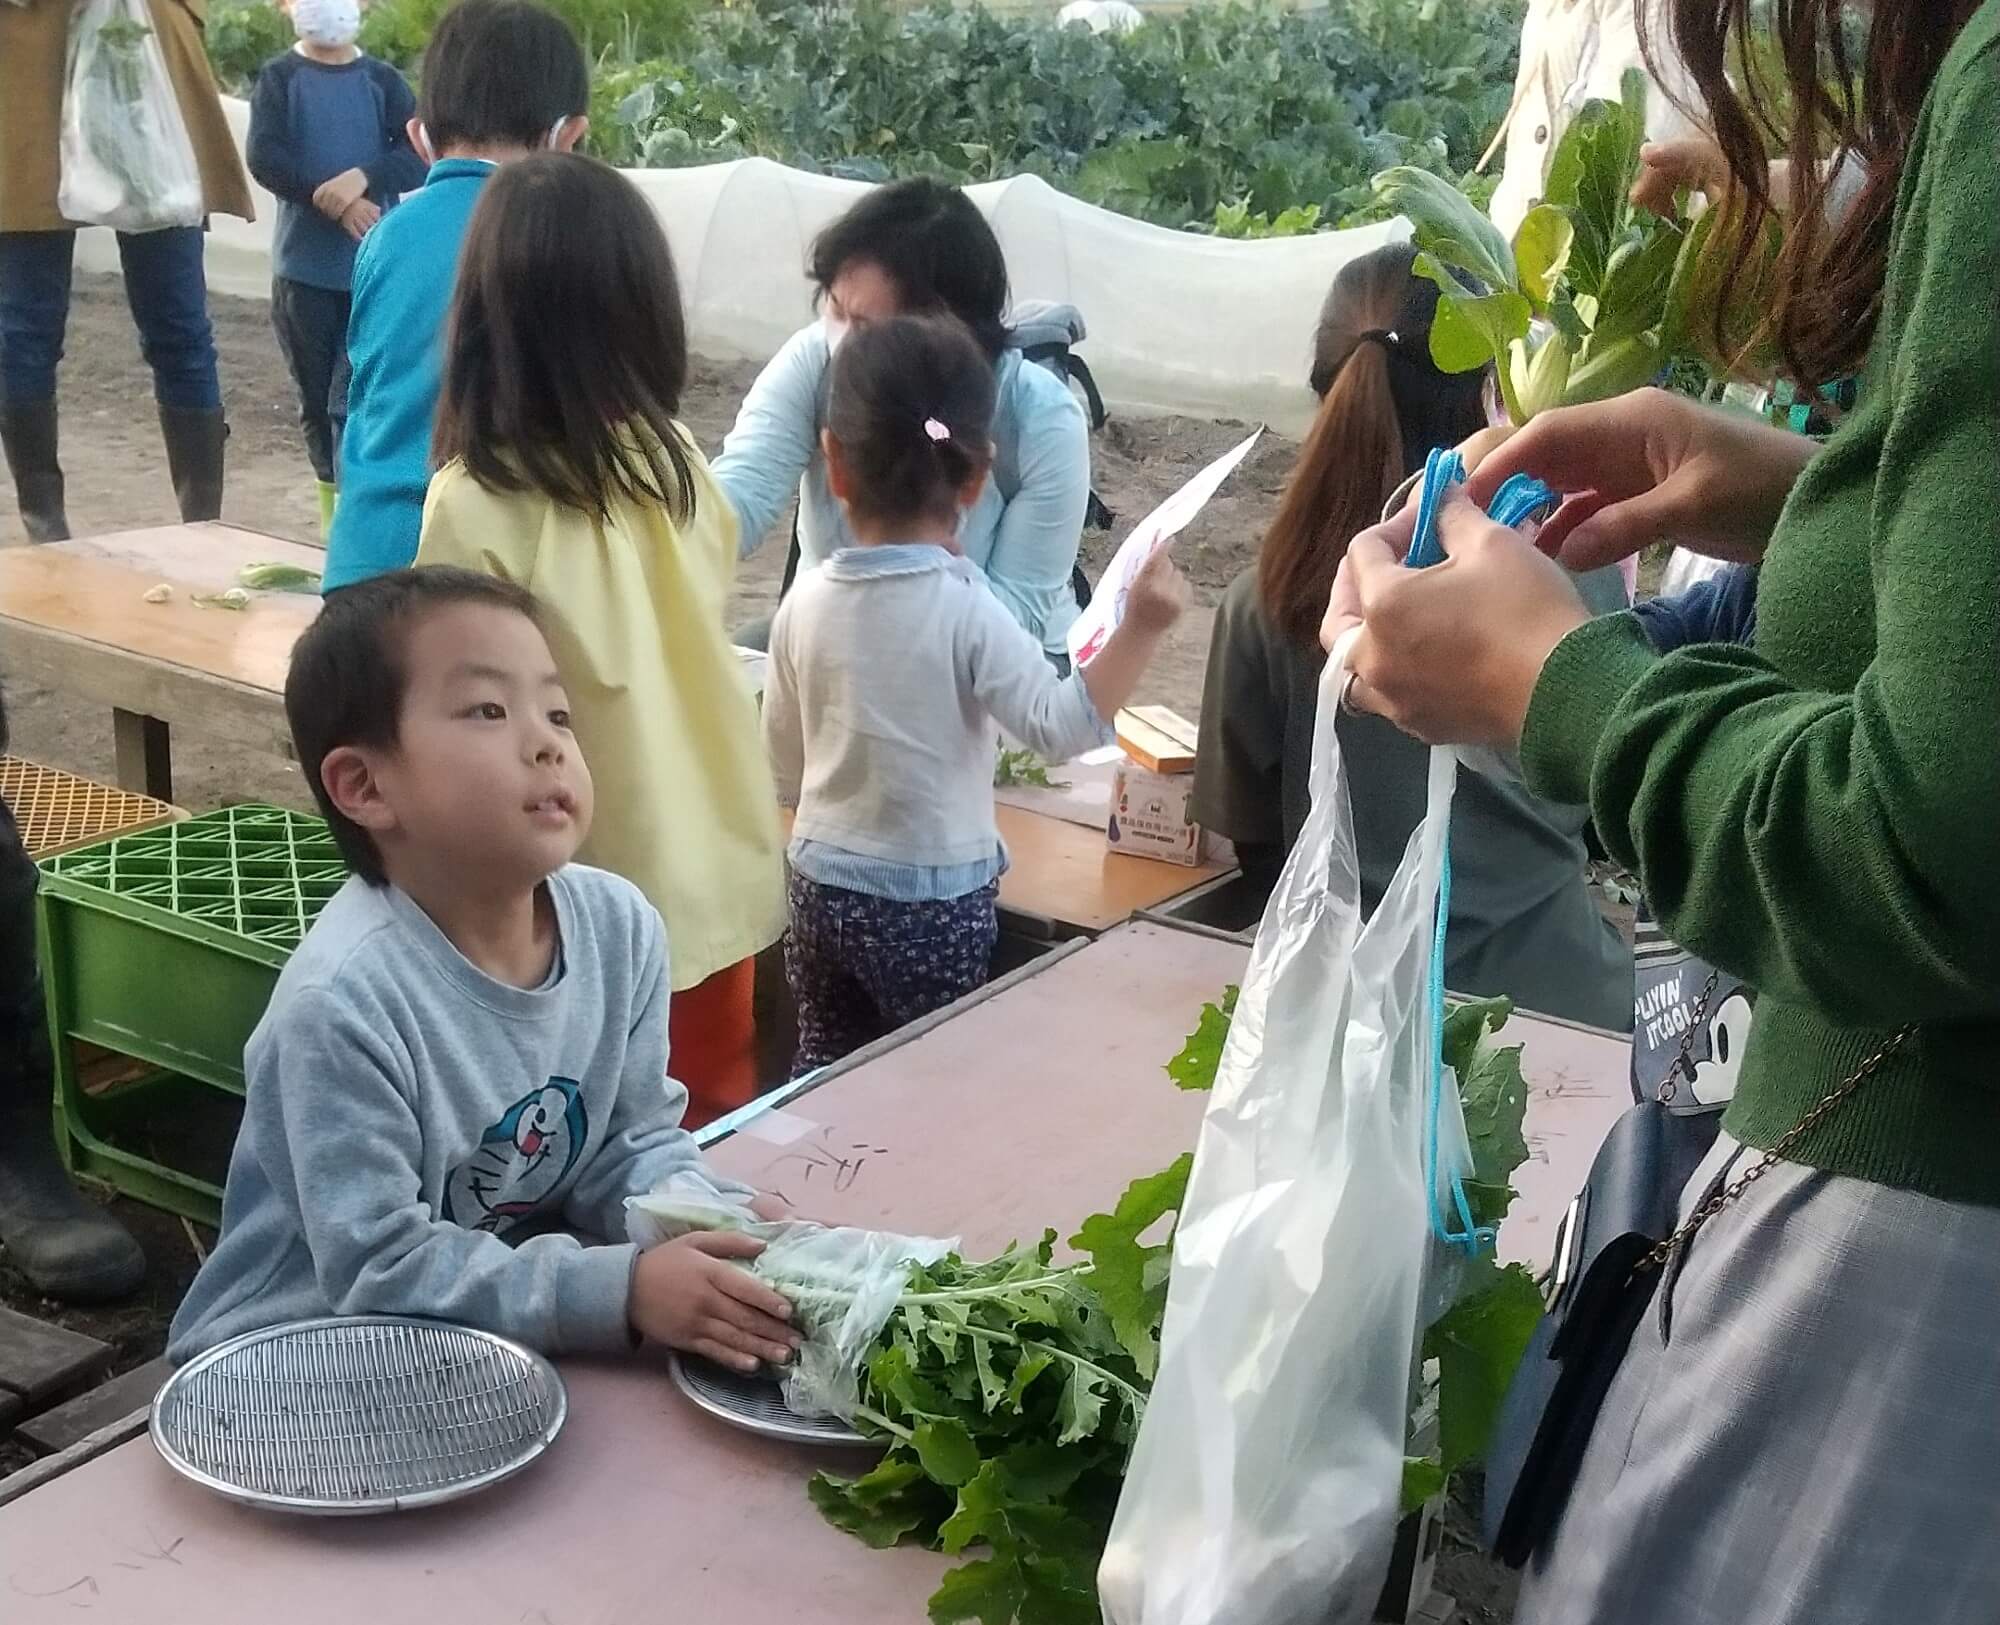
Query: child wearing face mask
(501, 79)
(329, 140)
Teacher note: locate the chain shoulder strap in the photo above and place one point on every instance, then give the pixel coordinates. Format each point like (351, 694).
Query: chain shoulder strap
(1835, 1098)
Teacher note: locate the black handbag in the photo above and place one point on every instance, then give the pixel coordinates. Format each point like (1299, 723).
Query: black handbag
(1612, 1249)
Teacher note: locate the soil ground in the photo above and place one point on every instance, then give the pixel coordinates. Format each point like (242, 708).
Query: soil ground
(118, 480)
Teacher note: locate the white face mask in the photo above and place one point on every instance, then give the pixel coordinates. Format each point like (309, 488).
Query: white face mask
(331, 23)
(835, 328)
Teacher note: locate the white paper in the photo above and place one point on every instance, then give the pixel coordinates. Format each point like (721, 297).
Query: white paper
(1107, 604)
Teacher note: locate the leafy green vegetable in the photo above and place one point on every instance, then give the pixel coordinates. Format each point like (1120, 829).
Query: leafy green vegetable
(1009, 1392)
(1131, 1279)
(1014, 767)
(1477, 1344)
(278, 578)
(1200, 1057)
(1593, 297)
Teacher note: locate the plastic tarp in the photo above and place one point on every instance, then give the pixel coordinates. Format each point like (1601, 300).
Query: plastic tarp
(1178, 322)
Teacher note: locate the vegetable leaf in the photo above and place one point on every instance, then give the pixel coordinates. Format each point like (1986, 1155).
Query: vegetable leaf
(1201, 1056)
(1478, 1344)
(946, 1451)
(1081, 1405)
(1449, 225)
(879, 1516)
(1542, 245)
(1494, 1095)
(989, 1591)
(1471, 330)
(1119, 1263)
(1421, 1480)
(1590, 176)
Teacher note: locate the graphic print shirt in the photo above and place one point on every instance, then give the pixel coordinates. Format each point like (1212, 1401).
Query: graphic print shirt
(418, 1137)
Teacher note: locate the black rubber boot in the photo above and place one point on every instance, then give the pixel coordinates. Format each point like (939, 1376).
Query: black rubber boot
(28, 435)
(68, 1247)
(194, 437)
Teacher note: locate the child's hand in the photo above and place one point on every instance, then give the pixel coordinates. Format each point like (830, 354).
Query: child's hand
(360, 218)
(1159, 595)
(332, 197)
(688, 1294)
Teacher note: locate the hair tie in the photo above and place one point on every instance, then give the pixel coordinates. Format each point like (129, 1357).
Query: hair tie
(1387, 337)
(937, 431)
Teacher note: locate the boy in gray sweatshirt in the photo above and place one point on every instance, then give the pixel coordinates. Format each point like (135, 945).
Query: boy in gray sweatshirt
(466, 1059)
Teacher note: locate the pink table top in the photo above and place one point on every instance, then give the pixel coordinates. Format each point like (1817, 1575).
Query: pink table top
(1031, 1109)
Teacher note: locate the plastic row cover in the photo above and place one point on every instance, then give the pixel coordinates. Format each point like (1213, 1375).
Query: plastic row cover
(1178, 322)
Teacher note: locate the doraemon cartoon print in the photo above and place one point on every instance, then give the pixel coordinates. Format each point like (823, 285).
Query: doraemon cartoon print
(521, 1159)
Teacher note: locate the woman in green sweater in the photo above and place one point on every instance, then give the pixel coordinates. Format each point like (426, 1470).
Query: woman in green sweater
(1807, 1426)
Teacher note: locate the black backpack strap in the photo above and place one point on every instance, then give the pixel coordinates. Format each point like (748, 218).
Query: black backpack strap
(1079, 370)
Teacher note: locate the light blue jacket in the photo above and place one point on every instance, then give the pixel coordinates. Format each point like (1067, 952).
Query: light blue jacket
(1023, 532)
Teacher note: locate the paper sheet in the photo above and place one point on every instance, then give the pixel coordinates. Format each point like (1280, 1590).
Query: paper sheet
(1107, 605)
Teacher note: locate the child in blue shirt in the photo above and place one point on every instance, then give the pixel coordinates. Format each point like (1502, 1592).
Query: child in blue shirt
(328, 139)
(501, 79)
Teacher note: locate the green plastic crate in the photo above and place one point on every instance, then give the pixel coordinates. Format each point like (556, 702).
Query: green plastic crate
(164, 946)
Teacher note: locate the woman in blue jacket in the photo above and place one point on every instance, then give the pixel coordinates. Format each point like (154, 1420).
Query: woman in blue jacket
(922, 246)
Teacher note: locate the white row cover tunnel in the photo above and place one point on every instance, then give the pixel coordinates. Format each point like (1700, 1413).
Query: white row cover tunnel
(1177, 322)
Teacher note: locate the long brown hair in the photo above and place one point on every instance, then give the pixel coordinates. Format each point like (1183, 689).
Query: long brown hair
(566, 350)
(1828, 275)
(1383, 405)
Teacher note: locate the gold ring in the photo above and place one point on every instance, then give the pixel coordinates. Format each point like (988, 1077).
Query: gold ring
(1347, 705)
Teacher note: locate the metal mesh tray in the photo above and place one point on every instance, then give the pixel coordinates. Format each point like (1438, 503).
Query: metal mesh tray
(370, 1414)
(58, 810)
(756, 1404)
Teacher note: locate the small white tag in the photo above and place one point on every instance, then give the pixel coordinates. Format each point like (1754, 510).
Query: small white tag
(776, 1127)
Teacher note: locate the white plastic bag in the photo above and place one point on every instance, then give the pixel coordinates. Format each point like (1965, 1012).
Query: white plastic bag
(1265, 1484)
(862, 1274)
(127, 161)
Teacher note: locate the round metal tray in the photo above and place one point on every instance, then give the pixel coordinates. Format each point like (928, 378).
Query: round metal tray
(376, 1413)
(757, 1405)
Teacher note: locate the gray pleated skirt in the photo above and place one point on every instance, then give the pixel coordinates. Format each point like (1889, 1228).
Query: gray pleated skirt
(1814, 1436)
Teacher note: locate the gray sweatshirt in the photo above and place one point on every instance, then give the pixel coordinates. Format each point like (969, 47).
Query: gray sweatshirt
(414, 1130)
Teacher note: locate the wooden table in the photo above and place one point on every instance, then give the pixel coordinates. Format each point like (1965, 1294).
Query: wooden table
(73, 617)
(1063, 881)
(1034, 1107)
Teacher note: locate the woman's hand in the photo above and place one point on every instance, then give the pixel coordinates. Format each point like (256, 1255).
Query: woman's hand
(1451, 653)
(1650, 467)
(1692, 162)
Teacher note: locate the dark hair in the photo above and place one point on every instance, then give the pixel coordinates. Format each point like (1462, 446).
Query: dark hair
(1383, 406)
(892, 381)
(1826, 283)
(566, 349)
(500, 71)
(934, 244)
(348, 677)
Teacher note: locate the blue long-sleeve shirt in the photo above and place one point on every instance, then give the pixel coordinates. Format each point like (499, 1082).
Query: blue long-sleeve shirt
(1722, 609)
(1023, 532)
(311, 121)
(403, 280)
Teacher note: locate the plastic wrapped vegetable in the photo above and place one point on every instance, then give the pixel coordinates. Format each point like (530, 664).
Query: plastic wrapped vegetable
(127, 161)
(843, 1284)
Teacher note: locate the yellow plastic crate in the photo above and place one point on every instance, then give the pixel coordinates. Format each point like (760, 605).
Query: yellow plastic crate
(58, 810)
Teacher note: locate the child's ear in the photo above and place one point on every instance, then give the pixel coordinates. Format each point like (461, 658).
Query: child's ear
(570, 133)
(420, 140)
(348, 774)
(837, 478)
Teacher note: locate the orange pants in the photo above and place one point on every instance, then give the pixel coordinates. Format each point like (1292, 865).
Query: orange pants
(712, 1041)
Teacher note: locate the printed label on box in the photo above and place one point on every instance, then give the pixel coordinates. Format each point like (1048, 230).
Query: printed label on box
(1152, 816)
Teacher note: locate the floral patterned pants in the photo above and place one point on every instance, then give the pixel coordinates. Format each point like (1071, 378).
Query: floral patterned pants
(860, 966)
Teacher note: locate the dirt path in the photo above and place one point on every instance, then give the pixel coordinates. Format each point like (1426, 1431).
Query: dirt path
(118, 480)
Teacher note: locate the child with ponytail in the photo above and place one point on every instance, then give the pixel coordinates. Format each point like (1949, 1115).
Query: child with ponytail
(890, 666)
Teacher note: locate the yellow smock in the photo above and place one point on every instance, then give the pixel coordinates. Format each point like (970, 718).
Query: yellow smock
(633, 606)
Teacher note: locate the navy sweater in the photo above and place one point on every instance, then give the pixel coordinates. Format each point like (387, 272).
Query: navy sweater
(310, 122)
(1722, 609)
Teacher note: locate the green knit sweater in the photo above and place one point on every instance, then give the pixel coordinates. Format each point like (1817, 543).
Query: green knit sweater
(1821, 815)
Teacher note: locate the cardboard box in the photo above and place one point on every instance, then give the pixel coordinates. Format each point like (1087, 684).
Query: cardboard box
(1157, 738)
(1152, 815)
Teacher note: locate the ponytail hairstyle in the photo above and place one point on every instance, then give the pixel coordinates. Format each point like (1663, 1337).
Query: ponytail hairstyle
(1383, 406)
(911, 404)
(566, 348)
